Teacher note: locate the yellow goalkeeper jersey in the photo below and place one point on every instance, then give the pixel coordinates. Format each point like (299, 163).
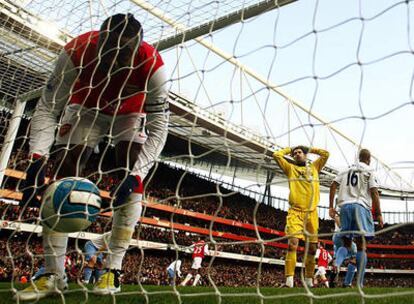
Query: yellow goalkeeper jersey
(303, 180)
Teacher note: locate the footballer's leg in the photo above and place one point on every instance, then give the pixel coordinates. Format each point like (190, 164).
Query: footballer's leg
(187, 279)
(361, 260)
(55, 243)
(125, 217)
(311, 222)
(310, 264)
(90, 258)
(53, 280)
(290, 261)
(68, 161)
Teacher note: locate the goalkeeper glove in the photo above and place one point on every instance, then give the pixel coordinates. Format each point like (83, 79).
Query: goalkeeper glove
(35, 181)
(130, 184)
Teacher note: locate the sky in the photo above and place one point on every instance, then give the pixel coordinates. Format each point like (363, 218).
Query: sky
(361, 55)
(319, 70)
(350, 62)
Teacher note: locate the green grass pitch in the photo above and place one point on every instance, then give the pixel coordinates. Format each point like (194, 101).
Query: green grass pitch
(132, 294)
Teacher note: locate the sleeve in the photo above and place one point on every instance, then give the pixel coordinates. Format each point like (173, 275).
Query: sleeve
(206, 249)
(51, 104)
(323, 158)
(318, 252)
(338, 177)
(156, 100)
(157, 108)
(281, 161)
(373, 182)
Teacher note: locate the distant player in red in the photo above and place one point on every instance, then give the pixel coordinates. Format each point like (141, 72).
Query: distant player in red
(324, 258)
(200, 249)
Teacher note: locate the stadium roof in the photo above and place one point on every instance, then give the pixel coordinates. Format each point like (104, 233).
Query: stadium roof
(197, 137)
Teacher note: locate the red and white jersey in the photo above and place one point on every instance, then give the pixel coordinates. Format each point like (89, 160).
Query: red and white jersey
(200, 249)
(67, 262)
(323, 256)
(94, 88)
(77, 80)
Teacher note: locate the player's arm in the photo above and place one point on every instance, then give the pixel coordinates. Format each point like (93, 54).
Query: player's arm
(43, 126)
(51, 104)
(322, 159)
(318, 252)
(376, 206)
(332, 193)
(157, 108)
(279, 157)
(329, 258)
(373, 188)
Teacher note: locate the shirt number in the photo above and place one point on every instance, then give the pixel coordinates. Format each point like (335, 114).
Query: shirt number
(352, 179)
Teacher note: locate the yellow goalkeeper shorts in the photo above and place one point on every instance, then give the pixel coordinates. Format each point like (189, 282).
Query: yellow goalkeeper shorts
(297, 221)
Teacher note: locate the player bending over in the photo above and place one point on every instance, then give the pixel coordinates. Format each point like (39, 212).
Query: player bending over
(107, 82)
(200, 249)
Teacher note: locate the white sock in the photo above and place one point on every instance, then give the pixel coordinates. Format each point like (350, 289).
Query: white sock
(187, 278)
(289, 281)
(123, 226)
(308, 282)
(327, 284)
(196, 279)
(54, 246)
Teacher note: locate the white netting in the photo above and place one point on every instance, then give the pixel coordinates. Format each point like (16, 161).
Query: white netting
(246, 78)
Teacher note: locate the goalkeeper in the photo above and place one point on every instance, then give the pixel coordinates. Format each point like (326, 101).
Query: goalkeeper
(302, 215)
(106, 82)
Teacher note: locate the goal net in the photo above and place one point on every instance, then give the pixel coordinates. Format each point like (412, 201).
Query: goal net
(244, 79)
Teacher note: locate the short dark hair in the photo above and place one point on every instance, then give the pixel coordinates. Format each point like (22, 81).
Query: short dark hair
(124, 24)
(364, 155)
(304, 149)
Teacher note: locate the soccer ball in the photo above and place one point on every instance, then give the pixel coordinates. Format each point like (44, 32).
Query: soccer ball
(70, 204)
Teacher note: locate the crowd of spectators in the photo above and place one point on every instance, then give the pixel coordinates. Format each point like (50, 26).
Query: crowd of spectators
(149, 266)
(178, 188)
(163, 235)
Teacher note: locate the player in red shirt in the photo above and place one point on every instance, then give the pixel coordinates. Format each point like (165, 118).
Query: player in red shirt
(200, 249)
(324, 258)
(105, 83)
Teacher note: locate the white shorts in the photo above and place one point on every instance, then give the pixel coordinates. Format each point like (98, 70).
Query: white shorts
(321, 271)
(196, 263)
(88, 127)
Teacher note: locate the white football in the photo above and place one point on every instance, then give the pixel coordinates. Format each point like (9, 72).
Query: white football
(70, 204)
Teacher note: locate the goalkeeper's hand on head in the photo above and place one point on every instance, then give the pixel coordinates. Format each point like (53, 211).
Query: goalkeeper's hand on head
(130, 184)
(35, 181)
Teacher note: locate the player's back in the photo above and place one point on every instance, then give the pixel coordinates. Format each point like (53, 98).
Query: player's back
(323, 258)
(199, 249)
(355, 184)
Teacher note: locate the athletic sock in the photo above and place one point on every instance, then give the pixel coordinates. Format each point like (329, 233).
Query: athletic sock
(361, 258)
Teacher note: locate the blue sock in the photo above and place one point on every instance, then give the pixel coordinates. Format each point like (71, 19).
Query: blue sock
(42, 270)
(361, 258)
(98, 273)
(87, 272)
(349, 274)
(340, 256)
